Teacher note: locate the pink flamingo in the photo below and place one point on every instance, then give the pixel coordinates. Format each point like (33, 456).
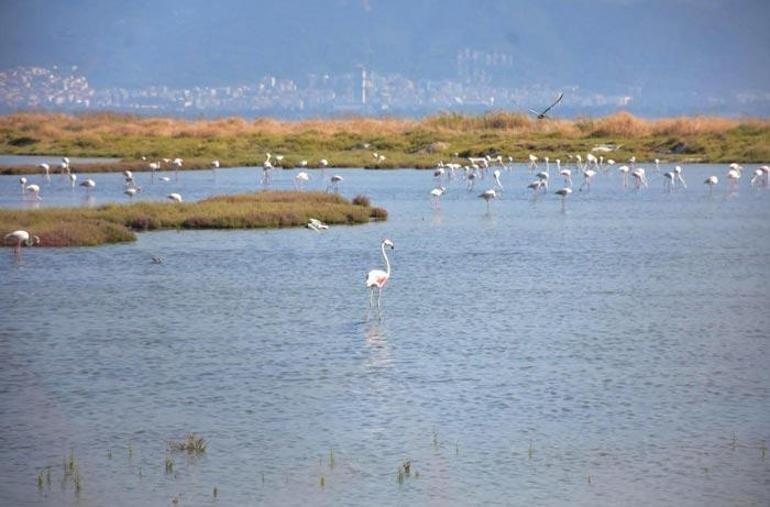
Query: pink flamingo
(376, 279)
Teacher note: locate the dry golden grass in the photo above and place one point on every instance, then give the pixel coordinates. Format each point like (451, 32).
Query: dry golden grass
(61, 126)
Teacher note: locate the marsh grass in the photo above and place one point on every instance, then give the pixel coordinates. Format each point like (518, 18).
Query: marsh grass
(349, 142)
(192, 444)
(114, 223)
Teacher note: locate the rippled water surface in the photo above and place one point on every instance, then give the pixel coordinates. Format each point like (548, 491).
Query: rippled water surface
(615, 354)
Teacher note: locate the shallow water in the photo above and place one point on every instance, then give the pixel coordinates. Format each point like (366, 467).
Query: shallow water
(519, 352)
(52, 160)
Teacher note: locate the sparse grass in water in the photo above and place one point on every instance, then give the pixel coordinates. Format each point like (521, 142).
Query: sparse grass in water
(192, 444)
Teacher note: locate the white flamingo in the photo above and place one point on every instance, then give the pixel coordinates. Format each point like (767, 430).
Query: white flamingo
(301, 179)
(23, 182)
(496, 177)
(73, 178)
(567, 175)
(88, 184)
(20, 238)
(316, 225)
(640, 178)
(588, 175)
(177, 165)
(46, 171)
(532, 162)
(711, 181)
(174, 197)
(435, 196)
(334, 183)
(267, 167)
(624, 170)
(35, 191)
(668, 180)
(488, 195)
(376, 278)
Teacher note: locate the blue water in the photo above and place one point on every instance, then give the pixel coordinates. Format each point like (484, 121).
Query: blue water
(519, 352)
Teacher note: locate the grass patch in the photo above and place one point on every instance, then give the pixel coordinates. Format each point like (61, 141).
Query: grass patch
(192, 444)
(116, 223)
(350, 142)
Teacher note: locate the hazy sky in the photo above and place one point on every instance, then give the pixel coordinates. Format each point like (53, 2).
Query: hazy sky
(699, 45)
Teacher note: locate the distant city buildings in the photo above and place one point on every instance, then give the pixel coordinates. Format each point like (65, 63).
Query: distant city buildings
(363, 91)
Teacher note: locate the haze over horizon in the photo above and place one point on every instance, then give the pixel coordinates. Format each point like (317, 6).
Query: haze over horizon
(667, 56)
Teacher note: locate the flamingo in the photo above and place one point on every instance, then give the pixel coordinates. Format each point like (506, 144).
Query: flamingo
(757, 179)
(563, 193)
(766, 171)
(316, 225)
(640, 178)
(657, 165)
(214, 166)
(543, 177)
(668, 181)
(711, 181)
(165, 179)
(435, 195)
(300, 179)
(21, 238)
(678, 176)
(174, 197)
(73, 178)
(177, 166)
(88, 184)
(267, 166)
(567, 175)
(488, 195)
(35, 191)
(376, 278)
(46, 171)
(471, 177)
(154, 166)
(532, 162)
(334, 183)
(624, 170)
(733, 175)
(131, 192)
(588, 174)
(23, 182)
(535, 186)
(496, 177)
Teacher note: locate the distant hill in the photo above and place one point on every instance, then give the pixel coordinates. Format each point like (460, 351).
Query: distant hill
(658, 45)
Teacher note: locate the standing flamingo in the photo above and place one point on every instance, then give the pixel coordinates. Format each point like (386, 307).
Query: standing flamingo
(588, 174)
(488, 195)
(174, 197)
(711, 181)
(267, 166)
(23, 182)
(334, 183)
(496, 177)
(88, 184)
(435, 196)
(35, 191)
(46, 171)
(21, 237)
(563, 193)
(300, 179)
(376, 278)
(532, 162)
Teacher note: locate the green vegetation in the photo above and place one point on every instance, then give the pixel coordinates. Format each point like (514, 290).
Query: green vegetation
(192, 444)
(351, 142)
(117, 222)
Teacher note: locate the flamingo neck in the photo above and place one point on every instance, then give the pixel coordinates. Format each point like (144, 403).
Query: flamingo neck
(387, 262)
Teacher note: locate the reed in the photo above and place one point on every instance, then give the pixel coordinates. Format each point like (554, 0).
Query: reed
(192, 444)
(114, 223)
(350, 142)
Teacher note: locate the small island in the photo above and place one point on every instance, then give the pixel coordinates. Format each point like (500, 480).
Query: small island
(115, 223)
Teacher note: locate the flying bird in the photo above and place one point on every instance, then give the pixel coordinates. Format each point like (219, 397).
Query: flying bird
(542, 114)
